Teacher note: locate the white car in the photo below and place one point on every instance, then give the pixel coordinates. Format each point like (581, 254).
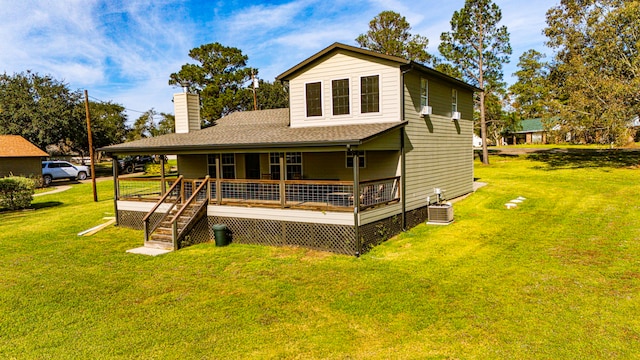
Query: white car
(54, 170)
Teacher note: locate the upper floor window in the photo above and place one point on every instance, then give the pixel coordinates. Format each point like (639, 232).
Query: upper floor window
(424, 92)
(340, 96)
(314, 99)
(369, 94)
(454, 100)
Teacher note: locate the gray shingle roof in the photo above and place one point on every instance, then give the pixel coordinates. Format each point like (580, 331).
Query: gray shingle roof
(256, 129)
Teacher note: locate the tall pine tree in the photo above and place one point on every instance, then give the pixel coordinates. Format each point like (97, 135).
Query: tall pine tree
(478, 47)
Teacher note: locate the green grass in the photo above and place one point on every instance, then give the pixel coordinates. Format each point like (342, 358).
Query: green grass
(556, 278)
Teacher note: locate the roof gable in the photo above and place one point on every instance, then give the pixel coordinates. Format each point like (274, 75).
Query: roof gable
(335, 47)
(17, 146)
(401, 62)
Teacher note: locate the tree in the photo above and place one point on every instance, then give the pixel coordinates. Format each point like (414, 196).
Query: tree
(531, 90)
(389, 34)
(108, 127)
(272, 95)
(144, 126)
(40, 108)
(477, 47)
(595, 80)
(219, 78)
(166, 125)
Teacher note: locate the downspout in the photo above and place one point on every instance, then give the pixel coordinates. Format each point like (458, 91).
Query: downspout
(403, 172)
(116, 186)
(402, 181)
(356, 201)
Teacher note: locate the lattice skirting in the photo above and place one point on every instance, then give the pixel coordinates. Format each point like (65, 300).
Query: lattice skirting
(374, 233)
(416, 217)
(326, 237)
(133, 219)
(200, 233)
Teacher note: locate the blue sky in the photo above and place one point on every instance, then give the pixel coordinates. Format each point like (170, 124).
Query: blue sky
(124, 51)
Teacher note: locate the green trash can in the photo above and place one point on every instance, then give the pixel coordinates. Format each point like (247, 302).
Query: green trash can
(220, 232)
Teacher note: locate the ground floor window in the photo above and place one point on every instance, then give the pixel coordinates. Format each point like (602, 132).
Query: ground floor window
(293, 164)
(228, 162)
(362, 159)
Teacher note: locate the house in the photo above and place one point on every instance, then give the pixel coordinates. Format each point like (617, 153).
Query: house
(352, 161)
(20, 157)
(532, 132)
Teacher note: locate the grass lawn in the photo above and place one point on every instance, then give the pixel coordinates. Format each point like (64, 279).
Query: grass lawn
(556, 278)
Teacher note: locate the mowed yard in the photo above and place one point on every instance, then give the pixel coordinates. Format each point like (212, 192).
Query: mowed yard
(556, 278)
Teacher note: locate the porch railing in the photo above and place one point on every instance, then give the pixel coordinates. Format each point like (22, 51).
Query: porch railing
(326, 194)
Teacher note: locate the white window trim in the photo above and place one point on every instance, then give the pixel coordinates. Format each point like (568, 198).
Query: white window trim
(421, 95)
(454, 101)
(361, 154)
(322, 99)
(350, 97)
(379, 94)
(235, 167)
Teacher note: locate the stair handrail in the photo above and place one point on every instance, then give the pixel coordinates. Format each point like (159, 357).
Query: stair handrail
(145, 219)
(174, 223)
(162, 199)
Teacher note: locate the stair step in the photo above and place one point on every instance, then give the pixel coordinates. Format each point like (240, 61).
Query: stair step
(159, 245)
(162, 237)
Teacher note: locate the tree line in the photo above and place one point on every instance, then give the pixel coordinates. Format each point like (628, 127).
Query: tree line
(590, 88)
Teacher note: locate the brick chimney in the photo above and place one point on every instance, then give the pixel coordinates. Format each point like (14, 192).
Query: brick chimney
(186, 108)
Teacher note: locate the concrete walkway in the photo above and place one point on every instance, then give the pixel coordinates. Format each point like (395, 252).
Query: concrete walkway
(56, 190)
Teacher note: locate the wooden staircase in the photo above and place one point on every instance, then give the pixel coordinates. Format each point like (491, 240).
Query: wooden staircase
(162, 236)
(176, 222)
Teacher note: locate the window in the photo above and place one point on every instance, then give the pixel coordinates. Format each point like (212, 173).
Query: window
(274, 165)
(228, 166)
(361, 159)
(211, 165)
(369, 94)
(340, 96)
(293, 163)
(424, 93)
(314, 99)
(454, 100)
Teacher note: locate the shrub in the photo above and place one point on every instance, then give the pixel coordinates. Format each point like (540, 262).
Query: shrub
(154, 169)
(16, 192)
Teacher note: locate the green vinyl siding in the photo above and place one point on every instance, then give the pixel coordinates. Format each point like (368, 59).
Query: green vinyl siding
(438, 150)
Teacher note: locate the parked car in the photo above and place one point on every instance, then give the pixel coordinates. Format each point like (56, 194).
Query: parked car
(54, 170)
(130, 164)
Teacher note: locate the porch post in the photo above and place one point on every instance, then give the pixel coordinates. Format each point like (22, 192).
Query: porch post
(218, 183)
(403, 180)
(116, 185)
(283, 173)
(356, 201)
(163, 185)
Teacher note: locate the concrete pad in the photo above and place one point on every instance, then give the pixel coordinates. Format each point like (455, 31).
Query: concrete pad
(516, 201)
(510, 205)
(148, 251)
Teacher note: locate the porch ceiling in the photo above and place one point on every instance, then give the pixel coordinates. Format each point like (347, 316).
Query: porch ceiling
(256, 129)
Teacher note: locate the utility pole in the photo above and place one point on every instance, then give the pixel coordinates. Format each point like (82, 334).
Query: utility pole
(254, 82)
(93, 169)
